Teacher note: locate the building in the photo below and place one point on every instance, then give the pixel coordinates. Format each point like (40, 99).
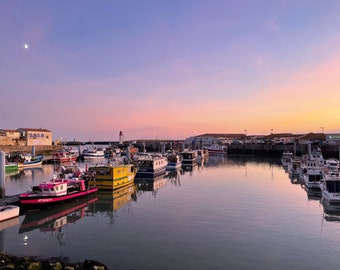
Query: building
(36, 136)
(9, 137)
(25, 137)
(333, 139)
(311, 138)
(212, 138)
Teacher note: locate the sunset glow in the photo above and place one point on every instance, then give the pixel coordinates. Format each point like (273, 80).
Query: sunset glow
(171, 68)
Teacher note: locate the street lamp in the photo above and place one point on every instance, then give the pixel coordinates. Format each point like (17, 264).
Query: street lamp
(321, 129)
(271, 130)
(245, 132)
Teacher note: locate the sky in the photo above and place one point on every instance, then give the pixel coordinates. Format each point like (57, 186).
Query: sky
(169, 69)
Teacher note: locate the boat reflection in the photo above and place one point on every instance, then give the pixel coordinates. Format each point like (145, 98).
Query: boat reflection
(53, 219)
(331, 212)
(294, 179)
(189, 168)
(25, 173)
(109, 201)
(215, 160)
(174, 177)
(151, 184)
(312, 193)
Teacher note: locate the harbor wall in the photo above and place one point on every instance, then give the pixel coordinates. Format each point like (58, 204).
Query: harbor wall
(45, 150)
(277, 149)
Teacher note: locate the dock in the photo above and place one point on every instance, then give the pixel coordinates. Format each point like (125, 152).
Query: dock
(14, 199)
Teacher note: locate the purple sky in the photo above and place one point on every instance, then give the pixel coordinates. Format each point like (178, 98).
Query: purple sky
(169, 69)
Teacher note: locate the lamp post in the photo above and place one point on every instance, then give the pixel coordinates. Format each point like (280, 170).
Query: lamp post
(271, 130)
(321, 129)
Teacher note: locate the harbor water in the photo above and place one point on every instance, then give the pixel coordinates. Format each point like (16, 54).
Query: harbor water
(226, 212)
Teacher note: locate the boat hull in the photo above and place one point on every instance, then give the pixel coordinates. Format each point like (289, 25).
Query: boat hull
(11, 167)
(112, 177)
(9, 212)
(32, 200)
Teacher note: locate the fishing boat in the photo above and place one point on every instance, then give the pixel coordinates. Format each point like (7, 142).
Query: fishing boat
(93, 152)
(56, 191)
(111, 176)
(65, 155)
(8, 211)
(215, 149)
(174, 160)
(151, 165)
(189, 156)
(30, 161)
(11, 167)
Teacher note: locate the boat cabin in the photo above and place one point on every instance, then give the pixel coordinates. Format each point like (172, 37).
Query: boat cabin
(60, 187)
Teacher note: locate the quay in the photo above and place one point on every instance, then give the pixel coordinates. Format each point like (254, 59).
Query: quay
(329, 151)
(14, 199)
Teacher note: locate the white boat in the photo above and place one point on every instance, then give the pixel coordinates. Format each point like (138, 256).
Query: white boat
(330, 188)
(331, 164)
(93, 152)
(151, 165)
(31, 161)
(294, 167)
(286, 159)
(312, 178)
(8, 211)
(215, 149)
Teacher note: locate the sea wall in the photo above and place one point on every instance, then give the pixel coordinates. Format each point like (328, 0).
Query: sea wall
(277, 149)
(45, 150)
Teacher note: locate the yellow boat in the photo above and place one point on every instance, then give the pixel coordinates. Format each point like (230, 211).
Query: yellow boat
(112, 176)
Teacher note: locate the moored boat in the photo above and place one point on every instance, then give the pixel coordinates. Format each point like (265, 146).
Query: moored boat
(31, 161)
(62, 156)
(151, 166)
(287, 158)
(215, 149)
(174, 160)
(8, 211)
(111, 176)
(55, 191)
(93, 152)
(330, 188)
(11, 167)
(312, 178)
(189, 156)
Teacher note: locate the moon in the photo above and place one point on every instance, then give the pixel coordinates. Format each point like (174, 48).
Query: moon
(26, 46)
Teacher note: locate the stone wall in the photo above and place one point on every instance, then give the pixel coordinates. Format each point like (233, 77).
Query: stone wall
(39, 149)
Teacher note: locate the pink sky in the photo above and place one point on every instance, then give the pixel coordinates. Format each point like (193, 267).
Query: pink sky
(169, 69)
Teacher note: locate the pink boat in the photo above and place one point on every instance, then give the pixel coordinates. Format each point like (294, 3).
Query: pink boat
(56, 191)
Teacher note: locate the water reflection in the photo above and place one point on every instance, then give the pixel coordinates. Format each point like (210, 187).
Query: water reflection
(331, 211)
(294, 179)
(52, 220)
(109, 202)
(151, 184)
(174, 177)
(189, 168)
(312, 193)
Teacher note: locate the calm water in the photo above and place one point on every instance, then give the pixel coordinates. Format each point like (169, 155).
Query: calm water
(227, 213)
